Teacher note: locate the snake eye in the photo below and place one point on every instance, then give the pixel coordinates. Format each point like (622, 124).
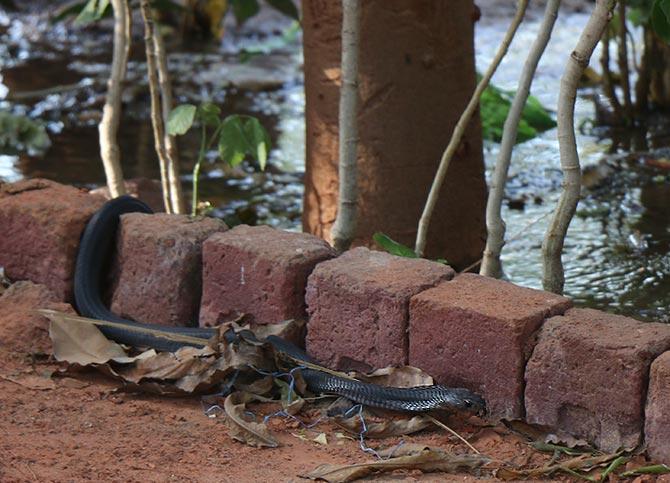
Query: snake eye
(468, 403)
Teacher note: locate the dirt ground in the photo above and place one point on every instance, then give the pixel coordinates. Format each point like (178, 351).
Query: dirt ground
(83, 429)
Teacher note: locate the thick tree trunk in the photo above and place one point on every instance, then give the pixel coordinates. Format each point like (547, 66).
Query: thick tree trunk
(416, 74)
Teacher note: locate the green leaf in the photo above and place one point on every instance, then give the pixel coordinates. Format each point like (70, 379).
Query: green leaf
(287, 7)
(393, 247)
(92, 11)
(259, 140)
(233, 143)
(181, 119)
(209, 114)
(68, 11)
(244, 9)
(20, 133)
(659, 19)
(647, 470)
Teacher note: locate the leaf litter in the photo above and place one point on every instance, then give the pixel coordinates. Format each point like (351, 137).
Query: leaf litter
(228, 376)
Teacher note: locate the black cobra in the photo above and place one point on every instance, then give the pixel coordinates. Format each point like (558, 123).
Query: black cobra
(95, 252)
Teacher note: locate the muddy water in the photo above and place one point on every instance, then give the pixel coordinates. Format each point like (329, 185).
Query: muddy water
(616, 256)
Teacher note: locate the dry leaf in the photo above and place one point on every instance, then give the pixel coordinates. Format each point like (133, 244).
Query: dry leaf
(243, 430)
(582, 462)
(321, 439)
(384, 429)
(429, 460)
(32, 381)
(406, 376)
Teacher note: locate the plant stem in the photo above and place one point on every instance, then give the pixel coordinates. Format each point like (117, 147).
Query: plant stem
(196, 169)
(459, 130)
(495, 225)
(553, 277)
(111, 112)
(344, 227)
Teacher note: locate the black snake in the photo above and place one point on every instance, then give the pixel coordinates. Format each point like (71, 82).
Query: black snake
(95, 251)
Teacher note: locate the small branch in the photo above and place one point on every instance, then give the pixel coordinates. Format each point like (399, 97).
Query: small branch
(171, 151)
(344, 228)
(495, 225)
(156, 109)
(459, 130)
(111, 112)
(623, 61)
(553, 277)
(643, 74)
(608, 84)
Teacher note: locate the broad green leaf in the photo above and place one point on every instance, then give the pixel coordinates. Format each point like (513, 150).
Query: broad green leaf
(287, 7)
(92, 11)
(233, 142)
(181, 119)
(393, 247)
(68, 11)
(259, 140)
(647, 470)
(209, 114)
(244, 9)
(659, 19)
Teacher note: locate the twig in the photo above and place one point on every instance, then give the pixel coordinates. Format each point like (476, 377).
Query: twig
(156, 110)
(111, 112)
(495, 225)
(439, 423)
(172, 154)
(553, 277)
(344, 227)
(459, 130)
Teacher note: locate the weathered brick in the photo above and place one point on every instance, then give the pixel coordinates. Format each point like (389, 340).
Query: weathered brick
(588, 376)
(158, 267)
(148, 190)
(41, 222)
(358, 307)
(478, 332)
(657, 413)
(259, 272)
(22, 329)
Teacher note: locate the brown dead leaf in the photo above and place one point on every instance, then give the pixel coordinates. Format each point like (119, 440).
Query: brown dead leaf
(241, 428)
(384, 429)
(31, 381)
(406, 376)
(582, 462)
(429, 460)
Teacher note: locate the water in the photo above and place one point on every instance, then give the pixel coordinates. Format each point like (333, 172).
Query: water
(616, 255)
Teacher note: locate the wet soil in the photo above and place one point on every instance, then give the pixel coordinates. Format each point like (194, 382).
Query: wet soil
(83, 429)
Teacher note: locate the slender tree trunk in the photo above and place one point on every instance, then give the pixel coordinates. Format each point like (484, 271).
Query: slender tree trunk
(643, 75)
(172, 153)
(491, 264)
(623, 62)
(553, 277)
(111, 112)
(156, 109)
(344, 228)
(608, 84)
(459, 130)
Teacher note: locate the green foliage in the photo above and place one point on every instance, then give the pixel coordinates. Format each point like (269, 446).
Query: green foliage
(495, 105)
(19, 133)
(287, 7)
(245, 9)
(393, 247)
(93, 10)
(660, 18)
(181, 119)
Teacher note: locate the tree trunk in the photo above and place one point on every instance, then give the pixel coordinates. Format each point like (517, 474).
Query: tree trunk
(410, 101)
(660, 72)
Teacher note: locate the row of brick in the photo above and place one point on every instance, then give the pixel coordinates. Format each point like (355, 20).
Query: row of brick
(528, 352)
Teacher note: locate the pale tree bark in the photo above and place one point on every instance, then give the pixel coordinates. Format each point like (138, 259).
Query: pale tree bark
(176, 195)
(156, 109)
(344, 228)
(111, 112)
(553, 277)
(461, 126)
(495, 225)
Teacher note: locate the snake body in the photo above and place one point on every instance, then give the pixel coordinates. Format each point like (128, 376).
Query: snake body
(95, 251)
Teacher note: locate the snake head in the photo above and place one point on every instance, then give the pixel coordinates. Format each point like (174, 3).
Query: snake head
(467, 401)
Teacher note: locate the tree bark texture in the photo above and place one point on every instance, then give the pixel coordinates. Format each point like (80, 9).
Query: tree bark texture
(111, 112)
(416, 75)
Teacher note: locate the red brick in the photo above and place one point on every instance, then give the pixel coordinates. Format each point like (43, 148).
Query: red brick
(358, 307)
(22, 329)
(158, 269)
(657, 414)
(148, 190)
(41, 222)
(259, 272)
(588, 376)
(478, 332)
